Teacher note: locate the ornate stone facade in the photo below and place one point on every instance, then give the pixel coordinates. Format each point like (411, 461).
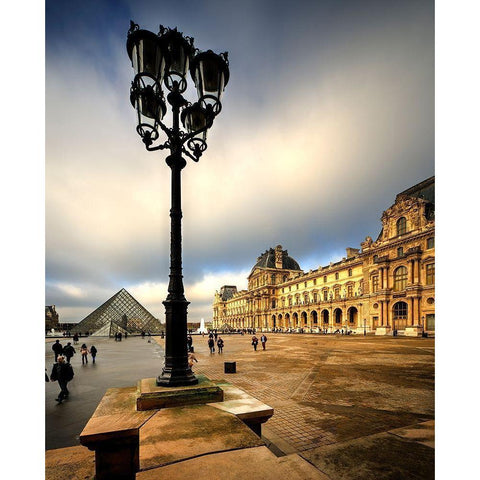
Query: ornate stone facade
(387, 285)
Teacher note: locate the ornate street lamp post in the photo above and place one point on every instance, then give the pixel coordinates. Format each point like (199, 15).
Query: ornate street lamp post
(163, 60)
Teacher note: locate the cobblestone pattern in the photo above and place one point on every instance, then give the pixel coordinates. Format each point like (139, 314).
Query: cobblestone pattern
(328, 389)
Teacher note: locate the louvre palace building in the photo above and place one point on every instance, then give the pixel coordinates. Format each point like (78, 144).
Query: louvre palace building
(387, 286)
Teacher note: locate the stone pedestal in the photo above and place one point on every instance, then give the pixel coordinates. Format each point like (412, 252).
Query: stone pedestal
(362, 330)
(140, 428)
(413, 331)
(385, 330)
(113, 433)
(152, 397)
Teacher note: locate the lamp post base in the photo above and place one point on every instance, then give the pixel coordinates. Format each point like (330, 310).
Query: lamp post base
(176, 372)
(176, 379)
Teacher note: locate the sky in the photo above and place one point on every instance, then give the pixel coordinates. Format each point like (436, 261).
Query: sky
(328, 114)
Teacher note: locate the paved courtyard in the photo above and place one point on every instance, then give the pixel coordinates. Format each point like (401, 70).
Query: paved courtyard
(337, 399)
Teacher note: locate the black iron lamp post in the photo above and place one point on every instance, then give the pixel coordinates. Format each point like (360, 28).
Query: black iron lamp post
(163, 60)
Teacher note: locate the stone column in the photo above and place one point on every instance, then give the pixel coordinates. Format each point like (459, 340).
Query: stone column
(416, 311)
(411, 308)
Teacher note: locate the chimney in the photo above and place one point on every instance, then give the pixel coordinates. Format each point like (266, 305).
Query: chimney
(278, 256)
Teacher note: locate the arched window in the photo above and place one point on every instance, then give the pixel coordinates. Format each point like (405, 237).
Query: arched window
(401, 226)
(400, 279)
(400, 310)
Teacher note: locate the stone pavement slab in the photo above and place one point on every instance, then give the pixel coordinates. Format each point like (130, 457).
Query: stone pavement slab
(245, 464)
(385, 456)
(179, 433)
(72, 463)
(423, 433)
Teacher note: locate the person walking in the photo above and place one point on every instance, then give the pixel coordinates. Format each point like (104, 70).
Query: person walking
(254, 342)
(220, 345)
(57, 349)
(69, 352)
(84, 351)
(263, 339)
(63, 373)
(189, 343)
(211, 344)
(93, 353)
(191, 358)
(75, 338)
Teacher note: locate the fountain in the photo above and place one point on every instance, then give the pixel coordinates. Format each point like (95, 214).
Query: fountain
(202, 328)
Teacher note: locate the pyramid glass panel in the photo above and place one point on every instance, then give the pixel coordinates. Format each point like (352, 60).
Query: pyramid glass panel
(121, 313)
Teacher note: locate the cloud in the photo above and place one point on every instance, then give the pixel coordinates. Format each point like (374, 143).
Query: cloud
(328, 114)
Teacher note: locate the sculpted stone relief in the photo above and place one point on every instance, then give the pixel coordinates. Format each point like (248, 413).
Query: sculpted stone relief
(413, 209)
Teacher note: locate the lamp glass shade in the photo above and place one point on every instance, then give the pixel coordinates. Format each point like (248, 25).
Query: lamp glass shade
(195, 118)
(147, 99)
(146, 53)
(210, 74)
(178, 52)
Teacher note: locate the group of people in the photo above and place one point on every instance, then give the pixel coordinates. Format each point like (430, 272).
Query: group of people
(118, 336)
(62, 370)
(263, 340)
(68, 351)
(212, 339)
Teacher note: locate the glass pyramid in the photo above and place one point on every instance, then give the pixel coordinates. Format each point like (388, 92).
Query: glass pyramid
(119, 314)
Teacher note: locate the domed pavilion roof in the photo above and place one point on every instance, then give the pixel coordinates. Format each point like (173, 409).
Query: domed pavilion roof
(271, 259)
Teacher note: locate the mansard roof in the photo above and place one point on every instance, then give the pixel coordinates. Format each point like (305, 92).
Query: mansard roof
(267, 260)
(227, 292)
(425, 190)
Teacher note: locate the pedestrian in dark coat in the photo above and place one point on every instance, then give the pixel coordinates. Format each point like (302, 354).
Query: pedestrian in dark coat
(263, 339)
(68, 351)
(93, 353)
(211, 344)
(189, 343)
(84, 351)
(57, 348)
(254, 342)
(220, 345)
(62, 372)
